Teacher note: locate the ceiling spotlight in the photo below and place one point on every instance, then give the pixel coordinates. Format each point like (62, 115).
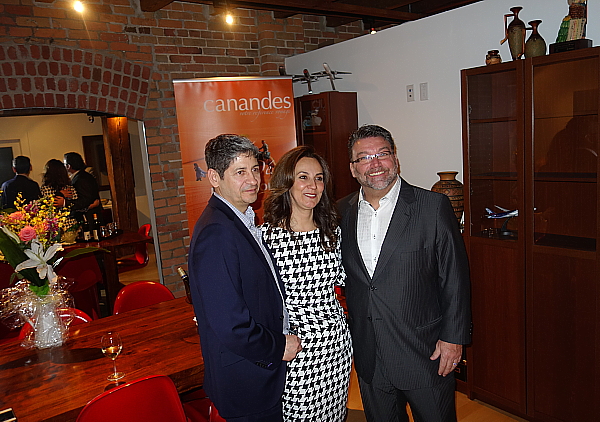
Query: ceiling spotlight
(78, 6)
(228, 18)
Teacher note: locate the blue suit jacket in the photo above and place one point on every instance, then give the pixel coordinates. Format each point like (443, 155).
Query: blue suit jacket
(239, 312)
(29, 189)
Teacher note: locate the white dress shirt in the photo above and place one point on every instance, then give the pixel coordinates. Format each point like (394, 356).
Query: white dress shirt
(372, 225)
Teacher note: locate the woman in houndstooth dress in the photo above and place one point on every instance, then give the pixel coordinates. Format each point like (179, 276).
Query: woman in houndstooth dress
(301, 231)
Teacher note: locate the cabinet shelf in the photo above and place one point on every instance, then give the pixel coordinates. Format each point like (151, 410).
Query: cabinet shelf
(565, 177)
(493, 120)
(564, 115)
(566, 242)
(498, 175)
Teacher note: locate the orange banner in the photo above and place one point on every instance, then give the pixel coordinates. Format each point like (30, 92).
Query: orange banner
(261, 109)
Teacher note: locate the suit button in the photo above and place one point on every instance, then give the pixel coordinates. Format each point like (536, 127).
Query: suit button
(281, 317)
(372, 288)
(370, 319)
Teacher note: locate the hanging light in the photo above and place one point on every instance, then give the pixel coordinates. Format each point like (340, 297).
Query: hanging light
(78, 6)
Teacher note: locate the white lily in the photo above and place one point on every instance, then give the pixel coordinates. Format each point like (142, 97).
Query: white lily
(10, 234)
(39, 259)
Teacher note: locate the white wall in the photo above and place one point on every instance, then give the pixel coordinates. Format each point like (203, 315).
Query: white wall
(49, 136)
(432, 50)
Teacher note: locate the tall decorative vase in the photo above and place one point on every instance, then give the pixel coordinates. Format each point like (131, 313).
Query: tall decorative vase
(48, 328)
(515, 33)
(453, 189)
(535, 45)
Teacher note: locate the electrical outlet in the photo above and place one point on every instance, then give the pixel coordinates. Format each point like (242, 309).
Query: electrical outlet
(423, 91)
(410, 93)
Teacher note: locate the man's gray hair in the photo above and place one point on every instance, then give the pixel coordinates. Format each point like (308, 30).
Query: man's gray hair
(223, 149)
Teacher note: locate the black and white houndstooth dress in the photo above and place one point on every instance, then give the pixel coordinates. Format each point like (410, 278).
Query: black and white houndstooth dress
(317, 379)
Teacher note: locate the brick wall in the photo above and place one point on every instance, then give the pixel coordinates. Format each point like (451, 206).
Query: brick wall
(114, 58)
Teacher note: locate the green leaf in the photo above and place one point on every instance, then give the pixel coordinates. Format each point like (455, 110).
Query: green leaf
(15, 255)
(76, 252)
(40, 290)
(83, 251)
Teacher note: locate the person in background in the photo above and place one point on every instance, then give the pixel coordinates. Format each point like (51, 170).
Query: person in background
(407, 286)
(86, 186)
(301, 230)
(237, 292)
(21, 183)
(56, 183)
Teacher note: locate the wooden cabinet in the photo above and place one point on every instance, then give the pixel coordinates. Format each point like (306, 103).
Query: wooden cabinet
(325, 121)
(530, 139)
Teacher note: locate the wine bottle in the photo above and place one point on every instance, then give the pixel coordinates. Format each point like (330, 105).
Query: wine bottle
(186, 284)
(85, 230)
(96, 229)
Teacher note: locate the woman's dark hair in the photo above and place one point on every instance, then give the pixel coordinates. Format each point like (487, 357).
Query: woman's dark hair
(278, 205)
(55, 175)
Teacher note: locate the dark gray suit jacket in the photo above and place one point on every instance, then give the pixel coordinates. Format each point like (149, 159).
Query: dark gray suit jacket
(419, 292)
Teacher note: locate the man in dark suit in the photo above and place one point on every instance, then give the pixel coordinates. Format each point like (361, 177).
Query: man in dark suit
(85, 184)
(407, 286)
(21, 183)
(237, 292)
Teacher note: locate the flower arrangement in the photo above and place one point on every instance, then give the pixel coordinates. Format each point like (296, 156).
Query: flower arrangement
(30, 239)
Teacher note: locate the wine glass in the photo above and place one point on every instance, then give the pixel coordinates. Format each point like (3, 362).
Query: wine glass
(111, 347)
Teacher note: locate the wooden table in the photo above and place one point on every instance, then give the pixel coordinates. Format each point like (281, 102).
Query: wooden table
(55, 384)
(115, 247)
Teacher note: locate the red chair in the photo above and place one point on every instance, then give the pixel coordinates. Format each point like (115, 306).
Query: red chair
(140, 259)
(148, 399)
(83, 274)
(70, 316)
(140, 294)
(198, 406)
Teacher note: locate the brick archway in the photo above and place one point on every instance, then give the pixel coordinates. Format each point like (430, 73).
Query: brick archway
(34, 76)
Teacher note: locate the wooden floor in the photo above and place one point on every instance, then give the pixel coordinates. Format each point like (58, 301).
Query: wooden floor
(467, 410)
(149, 272)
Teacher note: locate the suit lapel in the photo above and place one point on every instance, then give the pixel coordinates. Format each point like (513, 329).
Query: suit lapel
(400, 219)
(224, 208)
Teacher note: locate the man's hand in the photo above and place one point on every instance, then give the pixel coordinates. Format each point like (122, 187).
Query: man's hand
(449, 354)
(292, 347)
(59, 201)
(67, 193)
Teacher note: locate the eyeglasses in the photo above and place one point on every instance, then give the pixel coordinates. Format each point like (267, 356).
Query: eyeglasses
(368, 158)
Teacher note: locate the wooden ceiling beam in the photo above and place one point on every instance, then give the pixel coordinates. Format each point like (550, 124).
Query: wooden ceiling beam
(154, 5)
(308, 7)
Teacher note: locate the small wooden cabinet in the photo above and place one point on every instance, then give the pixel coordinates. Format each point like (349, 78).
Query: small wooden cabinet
(325, 121)
(530, 140)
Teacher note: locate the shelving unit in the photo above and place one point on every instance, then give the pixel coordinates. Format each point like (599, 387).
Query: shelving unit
(530, 130)
(325, 121)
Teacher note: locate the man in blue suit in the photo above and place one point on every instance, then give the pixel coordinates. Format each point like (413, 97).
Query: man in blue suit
(21, 183)
(237, 292)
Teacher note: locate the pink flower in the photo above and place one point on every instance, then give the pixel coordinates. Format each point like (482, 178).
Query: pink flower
(27, 233)
(16, 216)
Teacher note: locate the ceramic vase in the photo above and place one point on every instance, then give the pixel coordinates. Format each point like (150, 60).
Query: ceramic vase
(535, 45)
(515, 33)
(453, 189)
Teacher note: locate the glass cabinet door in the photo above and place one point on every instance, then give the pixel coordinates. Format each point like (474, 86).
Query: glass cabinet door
(494, 147)
(565, 153)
